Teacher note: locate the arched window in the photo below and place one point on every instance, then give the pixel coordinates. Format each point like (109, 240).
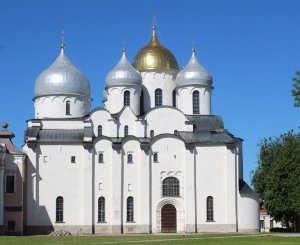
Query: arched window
(210, 208)
(126, 97)
(99, 130)
(158, 97)
(170, 187)
(151, 133)
(126, 130)
(68, 108)
(130, 209)
(155, 157)
(174, 98)
(101, 209)
(196, 109)
(59, 209)
(129, 158)
(101, 158)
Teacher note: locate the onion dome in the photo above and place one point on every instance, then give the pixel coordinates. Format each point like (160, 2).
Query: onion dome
(123, 74)
(193, 74)
(62, 78)
(154, 56)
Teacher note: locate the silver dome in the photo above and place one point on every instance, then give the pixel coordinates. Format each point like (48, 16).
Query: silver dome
(123, 74)
(193, 74)
(62, 77)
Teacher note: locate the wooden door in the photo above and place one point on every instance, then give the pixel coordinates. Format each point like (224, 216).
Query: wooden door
(168, 219)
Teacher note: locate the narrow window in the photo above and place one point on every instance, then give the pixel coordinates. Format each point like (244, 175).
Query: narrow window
(196, 109)
(126, 130)
(73, 159)
(155, 157)
(101, 209)
(158, 97)
(68, 108)
(170, 187)
(210, 208)
(10, 184)
(100, 158)
(174, 98)
(126, 98)
(130, 209)
(11, 225)
(59, 209)
(151, 133)
(271, 223)
(129, 158)
(142, 103)
(99, 130)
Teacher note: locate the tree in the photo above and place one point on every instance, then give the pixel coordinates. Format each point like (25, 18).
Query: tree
(296, 89)
(277, 177)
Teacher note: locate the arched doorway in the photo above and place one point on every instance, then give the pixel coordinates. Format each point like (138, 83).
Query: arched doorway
(168, 219)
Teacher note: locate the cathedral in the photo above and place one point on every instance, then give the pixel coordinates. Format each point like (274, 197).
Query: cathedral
(153, 159)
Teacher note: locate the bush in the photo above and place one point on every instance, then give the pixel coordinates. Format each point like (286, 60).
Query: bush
(280, 229)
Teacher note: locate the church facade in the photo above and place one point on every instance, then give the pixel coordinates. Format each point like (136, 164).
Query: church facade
(153, 159)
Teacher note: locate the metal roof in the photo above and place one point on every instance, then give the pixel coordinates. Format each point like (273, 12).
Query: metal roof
(62, 77)
(193, 74)
(205, 122)
(123, 74)
(61, 135)
(208, 137)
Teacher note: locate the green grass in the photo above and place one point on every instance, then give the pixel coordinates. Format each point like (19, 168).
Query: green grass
(216, 239)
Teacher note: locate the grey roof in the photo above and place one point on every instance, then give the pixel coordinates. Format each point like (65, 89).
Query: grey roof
(193, 74)
(205, 122)
(123, 74)
(62, 78)
(208, 137)
(32, 132)
(61, 135)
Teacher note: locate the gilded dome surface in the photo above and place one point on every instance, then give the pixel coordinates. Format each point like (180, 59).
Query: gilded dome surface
(193, 74)
(123, 74)
(62, 78)
(154, 56)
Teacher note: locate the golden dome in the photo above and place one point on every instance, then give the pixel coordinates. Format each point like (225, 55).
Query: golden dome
(154, 56)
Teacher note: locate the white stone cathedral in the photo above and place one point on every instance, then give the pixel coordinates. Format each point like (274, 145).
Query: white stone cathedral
(153, 160)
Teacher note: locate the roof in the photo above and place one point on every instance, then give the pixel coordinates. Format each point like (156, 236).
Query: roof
(205, 122)
(211, 137)
(5, 138)
(62, 78)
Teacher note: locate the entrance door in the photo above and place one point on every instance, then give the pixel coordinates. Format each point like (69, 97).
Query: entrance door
(168, 219)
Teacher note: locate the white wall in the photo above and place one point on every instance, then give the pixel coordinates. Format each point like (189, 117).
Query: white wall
(165, 80)
(55, 106)
(115, 98)
(171, 163)
(166, 120)
(185, 99)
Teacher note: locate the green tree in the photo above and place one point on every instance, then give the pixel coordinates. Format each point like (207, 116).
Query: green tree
(277, 177)
(296, 89)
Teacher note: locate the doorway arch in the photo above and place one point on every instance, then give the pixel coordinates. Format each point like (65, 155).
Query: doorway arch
(168, 219)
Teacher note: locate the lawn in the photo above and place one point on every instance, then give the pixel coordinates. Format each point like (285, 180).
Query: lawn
(216, 239)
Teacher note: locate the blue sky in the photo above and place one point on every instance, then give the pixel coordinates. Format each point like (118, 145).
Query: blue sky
(251, 48)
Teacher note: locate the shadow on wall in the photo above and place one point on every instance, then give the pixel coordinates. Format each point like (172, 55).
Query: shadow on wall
(36, 218)
(13, 201)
